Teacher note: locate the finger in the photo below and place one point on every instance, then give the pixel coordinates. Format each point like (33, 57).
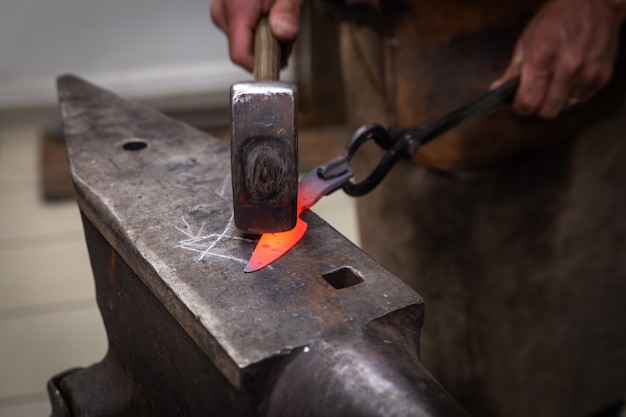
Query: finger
(596, 38)
(556, 99)
(242, 19)
(600, 67)
(218, 15)
(241, 44)
(536, 75)
(594, 78)
(532, 90)
(285, 19)
(579, 75)
(236, 18)
(512, 70)
(506, 76)
(561, 92)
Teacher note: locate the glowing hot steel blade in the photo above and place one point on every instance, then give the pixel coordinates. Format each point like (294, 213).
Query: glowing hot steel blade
(272, 246)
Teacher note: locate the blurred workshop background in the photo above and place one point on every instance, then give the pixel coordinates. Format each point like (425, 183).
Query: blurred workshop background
(165, 54)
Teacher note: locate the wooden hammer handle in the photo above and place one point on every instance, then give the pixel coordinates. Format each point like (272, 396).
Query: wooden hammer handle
(266, 53)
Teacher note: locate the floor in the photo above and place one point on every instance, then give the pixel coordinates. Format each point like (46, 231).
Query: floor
(49, 321)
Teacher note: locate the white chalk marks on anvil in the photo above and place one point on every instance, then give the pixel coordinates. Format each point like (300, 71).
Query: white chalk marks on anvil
(210, 244)
(223, 190)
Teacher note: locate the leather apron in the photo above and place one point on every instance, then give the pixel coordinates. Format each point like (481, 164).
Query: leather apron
(512, 229)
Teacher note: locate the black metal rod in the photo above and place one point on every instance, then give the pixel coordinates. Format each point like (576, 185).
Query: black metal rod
(485, 104)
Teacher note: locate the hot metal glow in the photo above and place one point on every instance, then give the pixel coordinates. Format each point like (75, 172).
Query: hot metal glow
(272, 246)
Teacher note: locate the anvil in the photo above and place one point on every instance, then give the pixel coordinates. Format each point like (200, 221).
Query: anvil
(324, 332)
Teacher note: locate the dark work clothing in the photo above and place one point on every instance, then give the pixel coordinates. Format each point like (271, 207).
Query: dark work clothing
(520, 253)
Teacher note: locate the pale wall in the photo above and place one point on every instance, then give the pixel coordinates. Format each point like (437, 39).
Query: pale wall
(137, 48)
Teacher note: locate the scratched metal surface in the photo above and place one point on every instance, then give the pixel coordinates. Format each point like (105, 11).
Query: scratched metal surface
(167, 209)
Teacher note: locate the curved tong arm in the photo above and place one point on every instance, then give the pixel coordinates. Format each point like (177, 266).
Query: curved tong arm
(405, 142)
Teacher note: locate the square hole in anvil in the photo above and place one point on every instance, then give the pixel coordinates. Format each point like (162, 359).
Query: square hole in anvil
(343, 277)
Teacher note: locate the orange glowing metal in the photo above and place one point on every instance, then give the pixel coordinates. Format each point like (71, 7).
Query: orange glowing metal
(272, 246)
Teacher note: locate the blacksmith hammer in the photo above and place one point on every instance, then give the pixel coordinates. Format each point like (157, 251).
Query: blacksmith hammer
(264, 147)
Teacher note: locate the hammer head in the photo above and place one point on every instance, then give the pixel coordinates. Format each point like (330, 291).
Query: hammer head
(264, 155)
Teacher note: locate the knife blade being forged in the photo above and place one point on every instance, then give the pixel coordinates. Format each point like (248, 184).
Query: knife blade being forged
(272, 246)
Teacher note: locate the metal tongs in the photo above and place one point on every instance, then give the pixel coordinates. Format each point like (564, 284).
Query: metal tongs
(405, 142)
(336, 173)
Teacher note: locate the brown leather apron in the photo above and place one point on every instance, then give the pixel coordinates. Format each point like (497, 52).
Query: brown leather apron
(521, 259)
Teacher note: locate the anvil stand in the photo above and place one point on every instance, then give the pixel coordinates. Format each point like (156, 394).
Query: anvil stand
(325, 331)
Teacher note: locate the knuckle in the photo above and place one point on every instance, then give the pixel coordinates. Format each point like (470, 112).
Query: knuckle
(552, 105)
(596, 74)
(571, 63)
(543, 57)
(605, 73)
(591, 75)
(525, 104)
(237, 56)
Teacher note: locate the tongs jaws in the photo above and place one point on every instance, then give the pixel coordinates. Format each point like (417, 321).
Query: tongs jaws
(405, 142)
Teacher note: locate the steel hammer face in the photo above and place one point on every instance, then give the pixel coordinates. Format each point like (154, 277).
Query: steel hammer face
(264, 155)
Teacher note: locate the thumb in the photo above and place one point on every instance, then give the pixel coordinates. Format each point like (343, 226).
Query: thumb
(284, 19)
(512, 70)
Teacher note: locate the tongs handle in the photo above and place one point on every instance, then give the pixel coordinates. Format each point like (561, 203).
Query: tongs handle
(488, 102)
